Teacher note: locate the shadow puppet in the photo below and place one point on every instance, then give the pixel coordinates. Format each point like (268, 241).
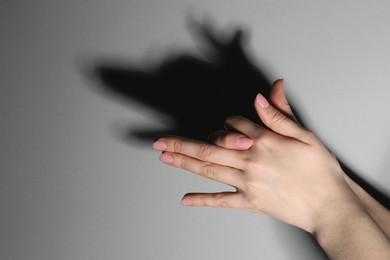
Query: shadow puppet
(197, 93)
(200, 93)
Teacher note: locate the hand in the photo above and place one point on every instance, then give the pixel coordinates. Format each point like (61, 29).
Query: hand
(231, 139)
(286, 172)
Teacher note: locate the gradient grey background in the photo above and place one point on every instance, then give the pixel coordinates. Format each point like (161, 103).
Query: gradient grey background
(69, 189)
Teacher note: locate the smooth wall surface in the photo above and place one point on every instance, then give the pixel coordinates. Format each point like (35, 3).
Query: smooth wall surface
(72, 188)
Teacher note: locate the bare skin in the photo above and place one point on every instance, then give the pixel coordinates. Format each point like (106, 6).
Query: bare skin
(234, 140)
(284, 171)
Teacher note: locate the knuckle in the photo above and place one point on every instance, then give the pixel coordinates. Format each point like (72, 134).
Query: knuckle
(277, 117)
(252, 204)
(310, 135)
(220, 200)
(265, 142)
(182, 162)
(202, 201)
(176, 145)
(204, 152)
(209, 171)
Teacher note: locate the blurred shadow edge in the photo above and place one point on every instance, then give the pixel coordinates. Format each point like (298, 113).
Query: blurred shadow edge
(200, 93)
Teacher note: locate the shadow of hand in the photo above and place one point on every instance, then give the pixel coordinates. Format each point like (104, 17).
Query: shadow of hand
(197, 93)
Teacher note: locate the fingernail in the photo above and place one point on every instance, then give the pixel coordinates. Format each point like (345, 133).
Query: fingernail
(186, 202)
(262, 101)
(166, 158)
(159, 145)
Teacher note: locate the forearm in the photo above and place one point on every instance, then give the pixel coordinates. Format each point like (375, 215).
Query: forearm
(351, 233)
(377, 211)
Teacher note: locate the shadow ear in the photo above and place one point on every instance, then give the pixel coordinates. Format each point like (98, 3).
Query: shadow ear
(239, 37)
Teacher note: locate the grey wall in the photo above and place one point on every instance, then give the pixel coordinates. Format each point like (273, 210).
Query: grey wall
(70, 188)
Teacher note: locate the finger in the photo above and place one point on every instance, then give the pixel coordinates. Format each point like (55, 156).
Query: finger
(226, 199)
(225, 174)
(200, 150)
(244, 126)
(231, 140)
(278, 121)
(278, 98)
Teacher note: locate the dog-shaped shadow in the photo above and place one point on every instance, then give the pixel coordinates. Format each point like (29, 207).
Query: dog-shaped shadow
(200, 93)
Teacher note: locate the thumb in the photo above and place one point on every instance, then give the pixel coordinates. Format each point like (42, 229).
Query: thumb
(278, 121)
(278, 98)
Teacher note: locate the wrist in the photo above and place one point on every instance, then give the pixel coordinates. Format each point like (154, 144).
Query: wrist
(350, 233)
(377, 211)
(337, 220)
(334, 205)
(339, 208)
